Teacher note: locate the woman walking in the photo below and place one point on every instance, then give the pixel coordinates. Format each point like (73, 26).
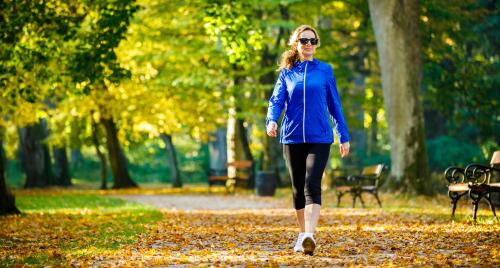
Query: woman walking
(306, 89)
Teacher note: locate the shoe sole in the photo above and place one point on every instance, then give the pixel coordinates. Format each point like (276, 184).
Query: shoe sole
(309, 246)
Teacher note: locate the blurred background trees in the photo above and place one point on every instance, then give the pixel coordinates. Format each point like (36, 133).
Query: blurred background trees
(163, 91)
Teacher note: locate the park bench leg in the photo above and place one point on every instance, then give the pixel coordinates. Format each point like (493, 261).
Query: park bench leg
(492, 207)
(339, 196)
(474, 206)
(378, 199)
(454, 199)
(475, 196)
(454, 204)
(361, 200)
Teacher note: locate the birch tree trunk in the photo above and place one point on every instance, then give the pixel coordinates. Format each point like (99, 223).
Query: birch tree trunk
(237, 144)
(395, 23)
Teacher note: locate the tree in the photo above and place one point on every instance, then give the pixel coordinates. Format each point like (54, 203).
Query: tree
(397, 33)
(95, 69)
(29, 73)
(7, 200)
(176, 76)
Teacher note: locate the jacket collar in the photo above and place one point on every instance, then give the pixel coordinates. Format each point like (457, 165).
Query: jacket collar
(300, 65)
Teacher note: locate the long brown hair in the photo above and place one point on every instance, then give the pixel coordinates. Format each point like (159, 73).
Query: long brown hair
(289, 57)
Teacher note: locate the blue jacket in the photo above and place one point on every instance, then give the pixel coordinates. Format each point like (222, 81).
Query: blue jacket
(306, 106)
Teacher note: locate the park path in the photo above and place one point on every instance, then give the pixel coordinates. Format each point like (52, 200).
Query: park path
(205, 202)
(202, 230)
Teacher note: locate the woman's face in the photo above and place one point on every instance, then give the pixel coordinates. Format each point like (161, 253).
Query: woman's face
(306, 51)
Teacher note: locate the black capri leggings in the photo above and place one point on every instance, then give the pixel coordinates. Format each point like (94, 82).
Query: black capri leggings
(306, 163)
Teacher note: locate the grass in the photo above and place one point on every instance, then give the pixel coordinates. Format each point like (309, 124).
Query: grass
(72, 225)
(57, 227)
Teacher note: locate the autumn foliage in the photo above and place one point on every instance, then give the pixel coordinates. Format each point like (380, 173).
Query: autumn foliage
(66, 227)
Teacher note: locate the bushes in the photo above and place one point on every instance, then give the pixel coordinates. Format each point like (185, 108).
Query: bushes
(445, 151)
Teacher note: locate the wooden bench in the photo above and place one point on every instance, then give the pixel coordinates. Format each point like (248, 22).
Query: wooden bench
(367, 182)
(474, 181)
(244, 173)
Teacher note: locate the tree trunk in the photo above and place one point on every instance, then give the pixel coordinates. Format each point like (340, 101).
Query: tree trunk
(121, 177)
(172, 161)
(217, 148)
(7, 200)
(76, 158)
(396, 29)
(36, 157)
(372, 132)
(237, 145)
(62, 177)
(102, 157)
(271, 156)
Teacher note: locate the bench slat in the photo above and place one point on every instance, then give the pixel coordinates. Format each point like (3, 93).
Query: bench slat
(458, 187)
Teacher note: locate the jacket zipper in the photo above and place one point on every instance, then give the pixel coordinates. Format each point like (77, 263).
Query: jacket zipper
(304, 113)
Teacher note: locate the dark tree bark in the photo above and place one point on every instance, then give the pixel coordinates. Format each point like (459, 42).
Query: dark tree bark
(372, 132)
(62, 176)
(36, 156)
(172, 160)
(102, 157)
(395, 23)
(7, 200)
(121, 177)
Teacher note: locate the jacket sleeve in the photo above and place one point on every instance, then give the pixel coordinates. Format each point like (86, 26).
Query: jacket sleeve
(277, 100)
(335, 108)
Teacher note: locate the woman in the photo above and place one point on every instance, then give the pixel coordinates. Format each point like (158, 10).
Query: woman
(307, 90)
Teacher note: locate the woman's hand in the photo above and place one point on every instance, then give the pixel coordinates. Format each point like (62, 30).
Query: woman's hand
(272, 129)
(344, 149)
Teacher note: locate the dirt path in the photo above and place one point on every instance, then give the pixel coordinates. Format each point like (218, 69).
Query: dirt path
(204, 202)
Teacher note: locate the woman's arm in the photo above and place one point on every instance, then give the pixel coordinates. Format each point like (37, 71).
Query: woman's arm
(276, 104)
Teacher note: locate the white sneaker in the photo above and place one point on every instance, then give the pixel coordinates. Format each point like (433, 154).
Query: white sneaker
(308, 244)
(298, 245)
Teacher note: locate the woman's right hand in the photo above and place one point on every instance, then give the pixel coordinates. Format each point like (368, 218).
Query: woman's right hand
(272, 129)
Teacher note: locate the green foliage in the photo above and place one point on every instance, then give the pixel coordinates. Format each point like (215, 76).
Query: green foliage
(176, 67)
(95, 62)
(461, 65)
(228, 23)
(446, 151)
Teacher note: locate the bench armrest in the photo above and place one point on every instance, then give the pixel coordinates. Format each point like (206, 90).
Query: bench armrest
(454, 175)
(479, 174)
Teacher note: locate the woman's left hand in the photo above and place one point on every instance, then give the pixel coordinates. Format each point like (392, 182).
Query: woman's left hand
(344, 149)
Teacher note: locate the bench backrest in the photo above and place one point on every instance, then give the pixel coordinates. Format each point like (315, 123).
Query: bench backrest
(373, 171)
(495, 159)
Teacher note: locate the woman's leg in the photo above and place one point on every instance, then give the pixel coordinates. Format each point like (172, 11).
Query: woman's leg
(300, 219)
(311, 217)
(295, 157)
(317, 158)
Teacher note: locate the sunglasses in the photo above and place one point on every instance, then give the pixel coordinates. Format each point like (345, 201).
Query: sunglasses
(312, 41)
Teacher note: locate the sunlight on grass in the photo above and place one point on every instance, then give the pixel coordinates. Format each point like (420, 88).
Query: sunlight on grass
(70, 226)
